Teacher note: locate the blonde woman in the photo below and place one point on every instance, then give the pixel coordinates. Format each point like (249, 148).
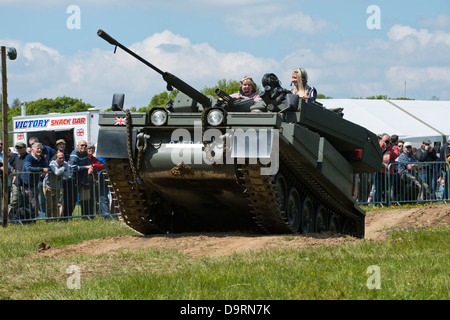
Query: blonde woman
(300, 82)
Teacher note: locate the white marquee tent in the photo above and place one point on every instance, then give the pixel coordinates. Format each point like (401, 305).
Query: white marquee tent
(411, 120)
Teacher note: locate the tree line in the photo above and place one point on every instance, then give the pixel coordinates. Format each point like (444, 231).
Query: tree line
(69, 105)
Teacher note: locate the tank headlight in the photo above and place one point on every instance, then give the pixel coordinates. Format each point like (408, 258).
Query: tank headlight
(158, 118)
(215, 117)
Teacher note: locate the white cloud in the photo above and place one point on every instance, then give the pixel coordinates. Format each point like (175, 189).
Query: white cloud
(398, 32)
(419, 78)
(422, 36)
(34, 50)
(31, 51)
(259, 24)
(441, 37)
(442, 21)
(350, 68)
(176, 54)
(94, 76)
(361, 68)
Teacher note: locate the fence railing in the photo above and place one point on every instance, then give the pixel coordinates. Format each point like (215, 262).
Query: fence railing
(33, 198)
(404, 182)
(30, 199)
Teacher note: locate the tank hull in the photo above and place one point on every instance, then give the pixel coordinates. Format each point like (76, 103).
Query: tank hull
(294, 180)
(282, 165)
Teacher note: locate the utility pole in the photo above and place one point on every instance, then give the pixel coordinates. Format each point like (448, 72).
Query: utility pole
(12, 54)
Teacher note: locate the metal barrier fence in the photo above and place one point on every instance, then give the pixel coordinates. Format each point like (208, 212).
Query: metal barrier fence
(404, 183)
(33, 197)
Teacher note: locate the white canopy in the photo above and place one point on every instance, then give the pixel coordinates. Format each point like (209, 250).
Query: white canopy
(411, 120)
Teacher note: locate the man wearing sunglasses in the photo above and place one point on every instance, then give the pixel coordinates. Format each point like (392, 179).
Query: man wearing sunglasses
(387, 171)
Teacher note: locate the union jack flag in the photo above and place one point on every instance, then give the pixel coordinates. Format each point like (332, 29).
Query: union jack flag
(80, 132)
(120, 121)
(20, 136)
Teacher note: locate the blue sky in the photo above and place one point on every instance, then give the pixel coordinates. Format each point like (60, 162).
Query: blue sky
(204, 41)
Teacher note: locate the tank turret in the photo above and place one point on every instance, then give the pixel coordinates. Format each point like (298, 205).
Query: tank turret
(204, 163)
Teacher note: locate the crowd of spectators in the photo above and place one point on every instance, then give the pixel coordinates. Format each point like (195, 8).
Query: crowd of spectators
(49, 182)
(410, 173)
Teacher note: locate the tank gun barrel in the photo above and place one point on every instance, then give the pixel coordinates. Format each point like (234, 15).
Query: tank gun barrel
(102, 34)
(171, 80)
(224, 96)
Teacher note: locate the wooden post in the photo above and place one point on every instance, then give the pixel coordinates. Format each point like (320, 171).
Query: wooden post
(5, 138)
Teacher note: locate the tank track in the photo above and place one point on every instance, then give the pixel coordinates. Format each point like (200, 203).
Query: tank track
(130, 199)
(264, 199)
(352, 222)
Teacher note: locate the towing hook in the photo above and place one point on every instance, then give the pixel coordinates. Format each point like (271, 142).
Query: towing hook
(142, 140)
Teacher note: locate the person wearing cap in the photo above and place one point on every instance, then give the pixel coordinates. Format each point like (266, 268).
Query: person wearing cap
(408, 169)
(16, 163)
(247, 90)
(301, 87)
(407, 157)
(58, 170)
(387, 170)
(426, 153)
(61, 147)
(444, 153)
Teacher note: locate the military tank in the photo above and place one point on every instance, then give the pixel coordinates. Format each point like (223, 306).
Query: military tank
(215, 163)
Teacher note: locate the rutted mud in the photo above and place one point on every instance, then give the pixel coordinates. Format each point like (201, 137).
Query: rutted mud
(378, 226)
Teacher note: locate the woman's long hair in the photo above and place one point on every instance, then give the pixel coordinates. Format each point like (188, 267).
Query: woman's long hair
(302, 79)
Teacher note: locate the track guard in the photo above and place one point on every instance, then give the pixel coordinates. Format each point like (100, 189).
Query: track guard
(113, 144)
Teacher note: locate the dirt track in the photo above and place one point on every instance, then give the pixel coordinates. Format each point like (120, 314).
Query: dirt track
(378, 225)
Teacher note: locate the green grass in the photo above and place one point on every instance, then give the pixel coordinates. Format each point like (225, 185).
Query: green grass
(404, 205)
(18, 240)
(413, 264)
